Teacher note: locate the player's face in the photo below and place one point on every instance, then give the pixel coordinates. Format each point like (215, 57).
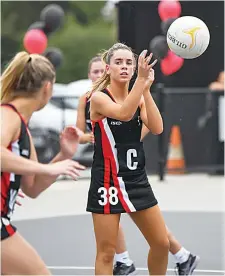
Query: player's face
(96, 70)
(121, 66)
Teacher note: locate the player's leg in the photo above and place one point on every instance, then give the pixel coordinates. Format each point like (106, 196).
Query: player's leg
(124, 265)
(18, 257)
(106, 231)
(186, 262)
(152, 225)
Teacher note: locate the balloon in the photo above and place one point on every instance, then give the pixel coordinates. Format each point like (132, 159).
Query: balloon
(166, 24)
(55, 56)
(39, 25)
(168, 9)
(171, 64)
(53, 16)
(158, 46)
(35, 41)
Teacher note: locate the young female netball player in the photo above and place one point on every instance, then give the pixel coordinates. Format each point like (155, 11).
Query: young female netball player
(26, 87)
(119, 182)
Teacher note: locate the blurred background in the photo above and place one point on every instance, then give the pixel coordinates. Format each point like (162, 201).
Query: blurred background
(190, 97)
(185, 164)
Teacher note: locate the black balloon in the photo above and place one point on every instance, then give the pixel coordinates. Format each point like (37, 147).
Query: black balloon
(166, 24)
(52, 15)
(40, 26)
(158, 46)
(55, 56)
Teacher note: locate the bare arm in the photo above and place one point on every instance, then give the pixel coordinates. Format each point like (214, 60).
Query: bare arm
(104, 106)
(150, 114)
(144, 132)
(81, 122)
(33, 185)
(10, 162)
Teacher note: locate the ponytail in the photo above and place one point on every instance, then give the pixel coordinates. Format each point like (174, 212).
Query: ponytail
(24, 76)
(12, 74)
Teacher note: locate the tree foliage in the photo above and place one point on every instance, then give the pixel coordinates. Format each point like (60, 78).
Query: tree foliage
(83, 35)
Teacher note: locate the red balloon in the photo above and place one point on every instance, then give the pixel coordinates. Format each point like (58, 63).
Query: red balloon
(35, 41)
(171, 64)
(168, 9)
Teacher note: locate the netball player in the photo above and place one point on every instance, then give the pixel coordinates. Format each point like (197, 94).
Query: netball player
(124, 265)
(26, 87)
(186, 262)
(119, 183)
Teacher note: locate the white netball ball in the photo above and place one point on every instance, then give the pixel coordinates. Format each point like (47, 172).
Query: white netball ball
(188, 37)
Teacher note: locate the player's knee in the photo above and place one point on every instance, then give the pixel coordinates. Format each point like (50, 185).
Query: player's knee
(161, 245)
(106, 253)
(169, 235)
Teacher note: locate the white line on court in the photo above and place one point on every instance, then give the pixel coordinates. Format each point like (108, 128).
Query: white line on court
(138, 268)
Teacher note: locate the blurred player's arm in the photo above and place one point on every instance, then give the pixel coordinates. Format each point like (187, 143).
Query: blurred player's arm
(144, 132)
(10, 131)
(81, 122)
(33, 185)
(150, 114)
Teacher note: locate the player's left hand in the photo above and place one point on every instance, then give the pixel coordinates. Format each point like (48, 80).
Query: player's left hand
(151, 75)
(69, 141)
(21, 195)
(150, 79)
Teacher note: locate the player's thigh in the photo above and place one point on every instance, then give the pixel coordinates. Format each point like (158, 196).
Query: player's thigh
(151, 223)
(18, 257)
(106, 230)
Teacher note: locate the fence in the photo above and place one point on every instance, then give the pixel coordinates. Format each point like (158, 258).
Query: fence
(196, 112)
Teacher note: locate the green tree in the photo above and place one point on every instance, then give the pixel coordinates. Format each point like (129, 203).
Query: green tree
(79, 44)
(84, 33)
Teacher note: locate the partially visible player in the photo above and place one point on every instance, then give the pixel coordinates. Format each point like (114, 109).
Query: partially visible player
(119, 183)
(124, 265)
(26, 87)
(186, 262)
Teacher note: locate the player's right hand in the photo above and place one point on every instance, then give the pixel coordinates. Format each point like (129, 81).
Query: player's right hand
(89, 137)
(66, 167)
(143, 65)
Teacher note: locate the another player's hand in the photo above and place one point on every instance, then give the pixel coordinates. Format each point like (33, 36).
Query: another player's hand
(144, 65)
(89, 138)
(67, 167)
(69, 141)
(21, 195)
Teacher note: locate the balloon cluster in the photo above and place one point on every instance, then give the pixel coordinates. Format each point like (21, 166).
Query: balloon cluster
(36, 37)
(169, 11)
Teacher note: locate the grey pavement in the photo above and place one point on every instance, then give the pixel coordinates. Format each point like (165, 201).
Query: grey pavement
(58, 226)
(68, 241)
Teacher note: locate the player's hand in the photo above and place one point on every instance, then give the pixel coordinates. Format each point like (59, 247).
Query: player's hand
(89, 138)
(150, 79)
(20, 195)
(69, 141)
(66, 167)
(144, 65)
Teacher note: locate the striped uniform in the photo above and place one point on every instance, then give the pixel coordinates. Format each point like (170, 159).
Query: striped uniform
(10, 182)
(119, 182)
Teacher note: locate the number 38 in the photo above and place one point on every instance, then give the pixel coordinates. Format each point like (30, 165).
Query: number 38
(111, 195)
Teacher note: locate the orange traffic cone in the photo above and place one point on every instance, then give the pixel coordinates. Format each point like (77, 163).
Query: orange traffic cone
(175, 160)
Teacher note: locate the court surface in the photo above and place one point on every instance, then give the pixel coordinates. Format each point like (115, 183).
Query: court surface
(57, 225)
